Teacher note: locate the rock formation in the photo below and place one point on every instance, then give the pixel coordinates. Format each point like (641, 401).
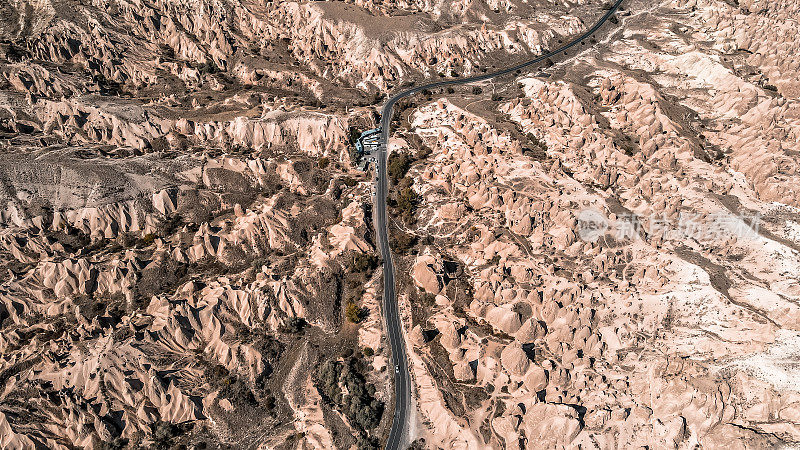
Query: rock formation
(598, 252)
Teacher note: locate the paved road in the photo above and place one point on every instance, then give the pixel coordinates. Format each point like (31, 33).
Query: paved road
(402, 380)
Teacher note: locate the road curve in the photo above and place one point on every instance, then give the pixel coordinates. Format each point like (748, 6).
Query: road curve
(402, 380)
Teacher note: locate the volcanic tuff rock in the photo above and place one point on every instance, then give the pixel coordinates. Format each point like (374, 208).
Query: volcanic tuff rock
(186, 242)
(596, 342)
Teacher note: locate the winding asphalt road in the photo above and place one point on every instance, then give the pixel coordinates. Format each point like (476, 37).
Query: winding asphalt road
(402, 379)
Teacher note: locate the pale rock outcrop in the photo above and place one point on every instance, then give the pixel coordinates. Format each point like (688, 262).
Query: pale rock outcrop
(551, 425)
(425, 275)
(504, 318)
(514, 360)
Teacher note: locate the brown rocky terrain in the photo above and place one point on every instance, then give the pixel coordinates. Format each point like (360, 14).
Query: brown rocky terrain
(187, 247)
(667, 337)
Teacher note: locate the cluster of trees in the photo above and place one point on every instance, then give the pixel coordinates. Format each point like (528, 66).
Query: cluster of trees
(237, 389)
(230, 386)
(353, 134)
(364, 262)
(342, 385)
(165, 433)
(294, 325)
(360, 268)
(400, 108)
(407, 201)
(403, 200)
(398, 165)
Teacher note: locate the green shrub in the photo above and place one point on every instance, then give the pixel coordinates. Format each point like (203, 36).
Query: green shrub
(355, 313)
